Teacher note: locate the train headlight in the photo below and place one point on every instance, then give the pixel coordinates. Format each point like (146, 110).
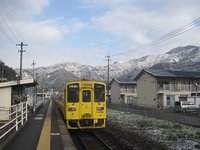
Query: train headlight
(72, 109)
(100, 108)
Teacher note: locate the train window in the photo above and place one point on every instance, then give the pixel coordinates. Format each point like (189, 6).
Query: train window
(72, 94)
(86, 96)
(99, 93)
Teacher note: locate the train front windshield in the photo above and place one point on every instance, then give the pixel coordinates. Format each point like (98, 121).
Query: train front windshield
(99, 90)
(73, 94)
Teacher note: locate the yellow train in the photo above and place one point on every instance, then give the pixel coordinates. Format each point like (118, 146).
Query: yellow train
(83, 104)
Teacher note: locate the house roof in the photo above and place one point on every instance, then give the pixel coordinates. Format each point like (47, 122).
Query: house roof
(170, 74)
(27, 83)
(119, 81)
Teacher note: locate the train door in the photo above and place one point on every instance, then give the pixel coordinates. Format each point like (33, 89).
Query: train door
(86, 104)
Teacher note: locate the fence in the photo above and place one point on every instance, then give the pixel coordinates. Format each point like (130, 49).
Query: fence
(14, 119)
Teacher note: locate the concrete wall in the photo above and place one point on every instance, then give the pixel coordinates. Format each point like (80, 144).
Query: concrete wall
(115, 93)
(147, 90)
(5, 97)
(5, 101)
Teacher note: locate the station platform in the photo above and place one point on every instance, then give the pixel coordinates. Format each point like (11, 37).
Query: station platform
(44, 130)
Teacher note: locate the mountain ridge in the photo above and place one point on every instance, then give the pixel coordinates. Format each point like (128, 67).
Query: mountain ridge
(179, 58)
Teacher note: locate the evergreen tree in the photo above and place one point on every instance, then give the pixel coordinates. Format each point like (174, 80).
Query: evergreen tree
(7, 72)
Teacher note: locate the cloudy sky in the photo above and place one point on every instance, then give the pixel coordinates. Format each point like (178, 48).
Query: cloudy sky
(85, 31)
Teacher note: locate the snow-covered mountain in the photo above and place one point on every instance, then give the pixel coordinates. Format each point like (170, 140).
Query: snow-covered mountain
(180, 58)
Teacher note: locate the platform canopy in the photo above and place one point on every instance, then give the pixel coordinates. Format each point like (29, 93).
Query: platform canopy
(25, 82)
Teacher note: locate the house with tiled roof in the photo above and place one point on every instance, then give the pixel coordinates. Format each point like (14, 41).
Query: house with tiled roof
(161, 88)
(123, 92)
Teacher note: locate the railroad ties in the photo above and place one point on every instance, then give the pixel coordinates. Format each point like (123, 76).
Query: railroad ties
(89, 140)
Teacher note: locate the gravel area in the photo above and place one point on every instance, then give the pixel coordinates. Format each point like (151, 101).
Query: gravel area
(141, 132)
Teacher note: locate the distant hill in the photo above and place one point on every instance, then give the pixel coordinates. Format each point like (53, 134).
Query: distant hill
(181, 58)
(7, 72)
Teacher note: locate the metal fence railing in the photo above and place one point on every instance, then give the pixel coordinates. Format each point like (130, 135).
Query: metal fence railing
(13, 118)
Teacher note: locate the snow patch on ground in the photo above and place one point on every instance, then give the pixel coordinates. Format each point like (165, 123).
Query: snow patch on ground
(176, 136)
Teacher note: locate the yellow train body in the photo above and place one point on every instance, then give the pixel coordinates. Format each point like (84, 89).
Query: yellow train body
(83, 104)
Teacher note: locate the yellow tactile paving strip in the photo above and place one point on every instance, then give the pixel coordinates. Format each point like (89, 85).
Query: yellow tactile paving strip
(45, 136)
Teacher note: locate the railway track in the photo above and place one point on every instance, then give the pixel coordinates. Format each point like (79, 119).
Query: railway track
(88, 140)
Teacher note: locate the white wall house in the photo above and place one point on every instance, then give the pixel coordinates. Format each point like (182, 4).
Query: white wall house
(123, 92)
(165, 87)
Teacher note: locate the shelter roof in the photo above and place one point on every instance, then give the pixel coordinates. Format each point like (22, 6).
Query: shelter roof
(26, 82)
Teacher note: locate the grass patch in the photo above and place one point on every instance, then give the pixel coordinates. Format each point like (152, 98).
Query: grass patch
(169, 130)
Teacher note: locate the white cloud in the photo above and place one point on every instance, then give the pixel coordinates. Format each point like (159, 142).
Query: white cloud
(76, 25)
(20, 14)
(23, 9)
(41, 32)
(129, 23)
(142, 21)
(17, 18)
(105, 3)
(122, 24)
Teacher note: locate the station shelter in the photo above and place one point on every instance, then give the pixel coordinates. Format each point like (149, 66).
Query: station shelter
(13, 92)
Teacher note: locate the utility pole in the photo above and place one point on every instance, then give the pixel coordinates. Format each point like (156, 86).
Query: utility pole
(108, 82)
(34, 89)
(33, 64)
(21, 52)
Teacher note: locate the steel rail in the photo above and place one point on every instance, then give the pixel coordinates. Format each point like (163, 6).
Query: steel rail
(90, 141)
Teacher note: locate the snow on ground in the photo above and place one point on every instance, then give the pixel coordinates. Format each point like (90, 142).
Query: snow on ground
(174, 135)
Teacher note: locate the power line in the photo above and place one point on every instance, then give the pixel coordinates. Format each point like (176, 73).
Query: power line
(9, 39)
(11, 19)
(9, 28)
(177, 32)
(166, 37)
(7, 25)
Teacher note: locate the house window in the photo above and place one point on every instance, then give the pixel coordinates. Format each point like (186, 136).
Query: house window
(126, 87)
(163, 85)
(160, 85)
(129, 99)
(183, 85)
(182, 98)
(166, 83)
(170, 100)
